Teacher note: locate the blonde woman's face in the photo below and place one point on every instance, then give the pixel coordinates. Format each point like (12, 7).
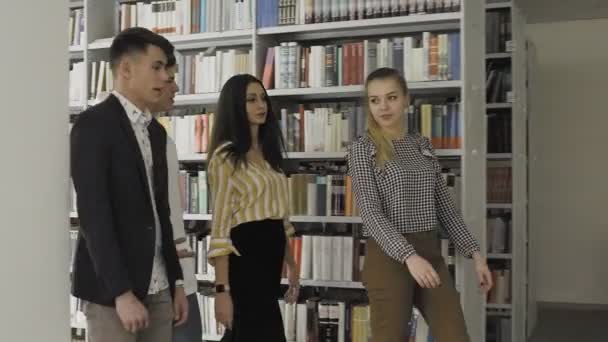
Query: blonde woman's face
(387, 103)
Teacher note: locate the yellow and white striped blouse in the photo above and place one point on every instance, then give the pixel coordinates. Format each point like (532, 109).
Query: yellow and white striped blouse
(251, 193)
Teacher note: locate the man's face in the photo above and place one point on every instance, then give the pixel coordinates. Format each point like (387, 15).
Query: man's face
(146, 75)
(170, 88)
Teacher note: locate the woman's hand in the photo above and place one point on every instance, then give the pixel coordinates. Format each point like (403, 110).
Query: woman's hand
(483, 272)
(423, 272)
(293, 279)
(224, 309)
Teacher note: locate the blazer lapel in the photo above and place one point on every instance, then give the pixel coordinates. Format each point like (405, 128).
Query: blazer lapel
(127, 128)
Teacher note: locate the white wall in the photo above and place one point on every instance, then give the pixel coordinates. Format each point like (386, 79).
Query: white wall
(569, 161)
(34, 172)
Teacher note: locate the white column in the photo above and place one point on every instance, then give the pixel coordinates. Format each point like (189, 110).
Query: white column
(34, 285)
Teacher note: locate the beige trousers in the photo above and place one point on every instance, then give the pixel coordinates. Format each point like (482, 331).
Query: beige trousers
(104, 325)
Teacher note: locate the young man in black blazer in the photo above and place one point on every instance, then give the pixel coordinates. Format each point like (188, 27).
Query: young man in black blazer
(126, 266)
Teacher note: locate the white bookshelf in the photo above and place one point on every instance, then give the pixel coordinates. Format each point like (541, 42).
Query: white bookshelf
(500, 156)
(355, 91)
(207, 337)
(195, 40)
(202, 157)
(471, 158)
(194, 157)
(205, 277)
(498, 55)
(499, 306)
(505, 105)
(500, 206)
(500, 256)
(197, 99)
(499, 4)
(329, 284)
(516, 260)
(75, 4)
(303, 282)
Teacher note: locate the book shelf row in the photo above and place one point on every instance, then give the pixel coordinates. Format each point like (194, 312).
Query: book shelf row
(297, 12)
(245, 36)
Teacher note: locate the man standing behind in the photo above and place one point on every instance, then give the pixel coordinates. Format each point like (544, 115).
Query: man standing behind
(126, 267)
(191, 330)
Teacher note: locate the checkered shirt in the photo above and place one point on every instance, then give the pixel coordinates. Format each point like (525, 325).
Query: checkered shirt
(408, 195)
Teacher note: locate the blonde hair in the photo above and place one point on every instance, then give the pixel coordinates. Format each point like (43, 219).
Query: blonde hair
(384, 145)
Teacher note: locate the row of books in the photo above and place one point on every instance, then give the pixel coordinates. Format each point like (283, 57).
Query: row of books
(191, 134)
(77, 91)
(78, 335)
(498, 234)
(76, 27)
(196, 197)
(501, 291)
(102, 79)
(499, 132)
(498, 31)
(200, 247)
(316, 320)
(297, 12)
(207, 71)
(499, 83)
(184, 17)
(499, 184)
(209, 324)
(425, 57)
(310, 194)
(321, 195)
(330, 258)
(327, 127)
(439, 122)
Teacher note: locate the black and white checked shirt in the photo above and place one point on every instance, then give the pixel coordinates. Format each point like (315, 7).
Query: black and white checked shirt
(408, 195)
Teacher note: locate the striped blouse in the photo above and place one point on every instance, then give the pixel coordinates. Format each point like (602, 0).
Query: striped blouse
(250, 193)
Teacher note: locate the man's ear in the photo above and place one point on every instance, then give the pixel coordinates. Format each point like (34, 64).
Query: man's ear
(125, 67)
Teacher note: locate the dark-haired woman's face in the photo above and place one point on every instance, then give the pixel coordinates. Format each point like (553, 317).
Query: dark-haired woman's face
(257, 105)
(387, 102)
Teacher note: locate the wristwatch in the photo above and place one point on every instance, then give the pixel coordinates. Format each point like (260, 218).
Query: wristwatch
(179, 283)
(221, 288)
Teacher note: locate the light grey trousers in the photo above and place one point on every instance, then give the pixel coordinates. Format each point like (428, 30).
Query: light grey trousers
(104, 325)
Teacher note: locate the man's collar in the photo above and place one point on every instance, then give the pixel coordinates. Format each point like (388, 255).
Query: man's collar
(135, 115)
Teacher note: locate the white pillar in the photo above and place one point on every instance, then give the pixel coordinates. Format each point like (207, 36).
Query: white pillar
(34, 285)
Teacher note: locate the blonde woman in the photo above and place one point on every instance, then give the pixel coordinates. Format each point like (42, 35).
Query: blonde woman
(403, 197)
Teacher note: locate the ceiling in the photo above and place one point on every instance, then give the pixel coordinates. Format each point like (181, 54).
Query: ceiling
(539, 11)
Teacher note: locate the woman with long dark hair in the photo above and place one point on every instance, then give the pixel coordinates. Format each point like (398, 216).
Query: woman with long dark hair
(250, 223)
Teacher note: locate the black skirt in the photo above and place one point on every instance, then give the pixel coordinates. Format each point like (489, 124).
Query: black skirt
(255, 281)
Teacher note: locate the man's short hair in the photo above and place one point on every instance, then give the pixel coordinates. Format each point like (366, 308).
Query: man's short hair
(137, 40)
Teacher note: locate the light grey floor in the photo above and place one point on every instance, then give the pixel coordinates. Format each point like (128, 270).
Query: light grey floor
(571, 324)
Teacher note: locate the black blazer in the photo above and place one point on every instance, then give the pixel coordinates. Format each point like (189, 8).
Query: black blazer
(116, 243)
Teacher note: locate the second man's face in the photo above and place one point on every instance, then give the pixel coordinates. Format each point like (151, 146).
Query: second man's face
(167, 98)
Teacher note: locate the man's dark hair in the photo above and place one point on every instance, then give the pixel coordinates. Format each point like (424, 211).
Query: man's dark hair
(137, 40)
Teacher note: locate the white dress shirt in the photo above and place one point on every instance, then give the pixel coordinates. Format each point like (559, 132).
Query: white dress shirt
(177, 216)
(139, 122)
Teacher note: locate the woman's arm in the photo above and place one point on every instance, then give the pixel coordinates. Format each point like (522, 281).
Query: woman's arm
(447, 213)
(219, 172)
